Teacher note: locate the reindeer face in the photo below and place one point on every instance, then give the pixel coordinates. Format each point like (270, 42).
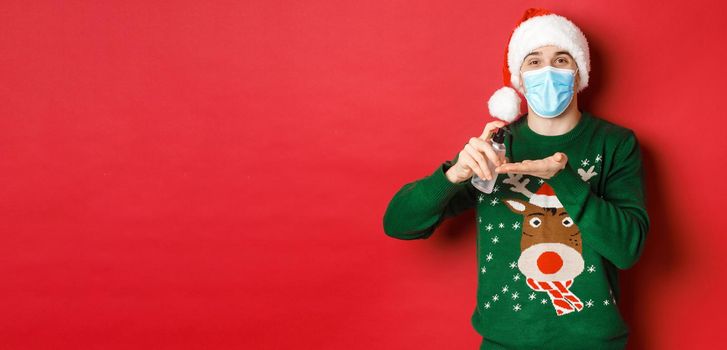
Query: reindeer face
(551, 243)
(545, 225)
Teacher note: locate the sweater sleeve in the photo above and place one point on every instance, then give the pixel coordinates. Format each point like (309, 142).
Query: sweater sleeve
(419, 207)
(614, 225)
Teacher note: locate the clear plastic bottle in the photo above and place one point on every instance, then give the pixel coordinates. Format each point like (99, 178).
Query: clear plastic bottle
(498, 144)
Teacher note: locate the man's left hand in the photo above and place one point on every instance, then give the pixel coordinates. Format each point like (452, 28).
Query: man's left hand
(544, 168)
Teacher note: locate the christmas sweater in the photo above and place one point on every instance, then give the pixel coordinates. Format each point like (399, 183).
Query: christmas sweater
(549, 251)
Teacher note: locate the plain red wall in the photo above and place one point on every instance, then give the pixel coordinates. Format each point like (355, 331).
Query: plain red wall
(194, 174)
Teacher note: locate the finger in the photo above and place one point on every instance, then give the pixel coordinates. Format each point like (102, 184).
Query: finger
(560, 160)
(502, 170)
(537, 166)
(466, 163)
(480, 159)
(560, 157)
(472, 165)
(509, 168)
(487, 149)
(521, 167)
(489, 127)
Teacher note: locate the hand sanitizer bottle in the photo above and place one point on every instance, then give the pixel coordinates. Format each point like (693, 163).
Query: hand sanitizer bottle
(498, 144)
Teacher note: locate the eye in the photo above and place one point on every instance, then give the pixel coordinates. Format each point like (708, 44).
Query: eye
(562, 60)
(567, 222)
(535, 222)
(533, 62)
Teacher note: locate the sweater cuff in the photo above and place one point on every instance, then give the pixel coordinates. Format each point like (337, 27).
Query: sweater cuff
(438, 187)
(568, 181)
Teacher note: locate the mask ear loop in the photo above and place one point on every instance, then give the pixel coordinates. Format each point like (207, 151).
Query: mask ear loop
(574, 86)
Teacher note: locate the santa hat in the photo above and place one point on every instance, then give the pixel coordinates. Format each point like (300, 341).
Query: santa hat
(538, 27)
(545, 198)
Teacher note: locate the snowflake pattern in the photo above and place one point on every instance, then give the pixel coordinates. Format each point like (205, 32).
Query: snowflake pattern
(543, 301)
(494, 201)
(488, 227)
(515, 295)
(531, 296)
(516, 225)
(605, 302)
(591, 269)
(586, 175)
(487, 305)
(495, 297)
(489, 256)
(589, 303)
(484, 269)
(513, 265)
(481, 198)
(497, 188)
(540, 181)
(516, 277)
(505, 289)
(495, 240)
(516, 307)
(501, 225)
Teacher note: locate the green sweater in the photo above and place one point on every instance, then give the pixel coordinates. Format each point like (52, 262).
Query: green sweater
(548, 250)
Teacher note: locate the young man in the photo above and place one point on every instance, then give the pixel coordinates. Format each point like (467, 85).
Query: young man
(567, 211)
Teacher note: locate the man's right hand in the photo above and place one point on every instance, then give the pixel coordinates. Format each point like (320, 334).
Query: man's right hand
(473, 157)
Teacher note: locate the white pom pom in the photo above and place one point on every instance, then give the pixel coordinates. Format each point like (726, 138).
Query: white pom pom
(504, 104)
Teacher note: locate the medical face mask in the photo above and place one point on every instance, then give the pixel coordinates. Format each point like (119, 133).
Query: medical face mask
(549, 90)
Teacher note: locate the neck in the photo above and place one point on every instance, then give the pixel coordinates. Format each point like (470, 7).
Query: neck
(555, 126)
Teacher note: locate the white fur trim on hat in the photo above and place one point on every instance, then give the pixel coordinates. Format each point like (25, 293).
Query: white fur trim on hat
(504, 104)
(546, 30)
(545, 201)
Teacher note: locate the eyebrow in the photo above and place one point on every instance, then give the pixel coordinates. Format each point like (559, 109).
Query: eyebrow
(538, 53)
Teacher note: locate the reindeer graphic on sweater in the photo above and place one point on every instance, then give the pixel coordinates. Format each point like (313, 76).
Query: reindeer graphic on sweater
(550, 245)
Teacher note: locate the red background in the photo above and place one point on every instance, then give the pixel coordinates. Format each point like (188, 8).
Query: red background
(190, 174)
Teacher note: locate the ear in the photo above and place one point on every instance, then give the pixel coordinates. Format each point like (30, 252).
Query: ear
(522, 83)
(577, 81)
(516, 205)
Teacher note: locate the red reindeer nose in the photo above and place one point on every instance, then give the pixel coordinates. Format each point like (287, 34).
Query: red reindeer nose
(550, 262)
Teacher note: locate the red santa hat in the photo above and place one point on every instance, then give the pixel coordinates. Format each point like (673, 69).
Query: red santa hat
(538, 27)
(545, 198)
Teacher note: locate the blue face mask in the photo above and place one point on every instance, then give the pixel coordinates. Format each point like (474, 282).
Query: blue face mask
(549, 90)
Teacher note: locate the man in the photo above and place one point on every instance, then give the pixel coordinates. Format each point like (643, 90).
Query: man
(567, 211)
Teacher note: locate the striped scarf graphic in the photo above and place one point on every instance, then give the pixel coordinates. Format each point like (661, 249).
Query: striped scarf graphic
(563, 300)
